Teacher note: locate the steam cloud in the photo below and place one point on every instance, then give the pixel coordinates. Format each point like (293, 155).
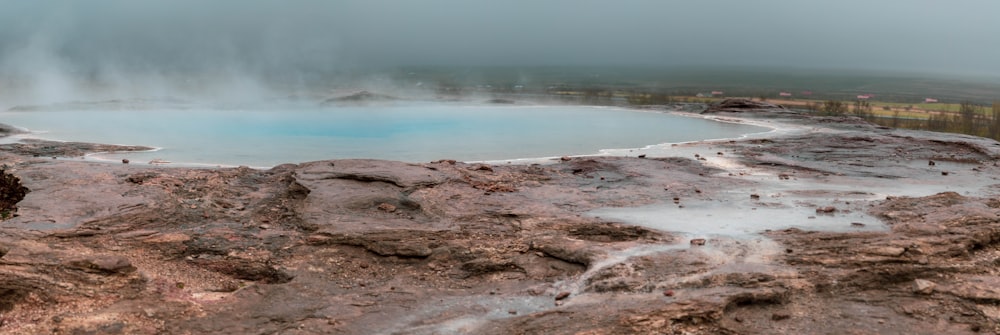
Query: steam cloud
(59, 50)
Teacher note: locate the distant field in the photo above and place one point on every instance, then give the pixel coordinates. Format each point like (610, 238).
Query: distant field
(890, 88)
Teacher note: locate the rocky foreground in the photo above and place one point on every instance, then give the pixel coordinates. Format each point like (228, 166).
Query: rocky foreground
(381, 247)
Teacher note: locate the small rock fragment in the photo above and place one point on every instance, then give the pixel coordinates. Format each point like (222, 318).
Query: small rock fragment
(826, 210)
(385, 207)
(562, 295)
(944, 173)
(668, 293)
(857, 224)
(698, 241)
(642, 156)
(780, 316)
(125, 161)
(923, 286)
(755, 196)
(564, 158)
(931, 163)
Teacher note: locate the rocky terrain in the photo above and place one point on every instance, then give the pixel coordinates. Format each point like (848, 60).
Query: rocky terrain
(381, 247)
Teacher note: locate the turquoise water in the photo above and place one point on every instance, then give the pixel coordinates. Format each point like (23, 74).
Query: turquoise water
(417, 132)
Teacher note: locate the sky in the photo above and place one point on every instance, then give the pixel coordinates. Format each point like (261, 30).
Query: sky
(57, 41)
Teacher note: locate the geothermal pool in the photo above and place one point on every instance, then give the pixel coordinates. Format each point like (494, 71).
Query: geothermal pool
(413, 132)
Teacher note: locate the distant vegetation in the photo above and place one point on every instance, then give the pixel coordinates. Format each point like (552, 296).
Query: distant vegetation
(897, 99)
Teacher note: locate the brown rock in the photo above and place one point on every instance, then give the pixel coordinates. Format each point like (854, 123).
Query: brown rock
(826, 210)
(698, 241)
(387, 207)
(562, 295)
(923, 286)
(107, 264)
(125, 161)
(565, 158)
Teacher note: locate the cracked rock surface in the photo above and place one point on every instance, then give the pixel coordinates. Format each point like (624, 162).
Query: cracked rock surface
(382, 247)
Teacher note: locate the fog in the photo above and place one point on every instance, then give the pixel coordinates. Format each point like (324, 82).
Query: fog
(61, 50)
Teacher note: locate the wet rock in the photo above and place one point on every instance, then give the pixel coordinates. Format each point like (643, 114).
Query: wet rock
(923, 286)
(562, 295)
(125, 161)
(698, 241)
(931, 163)
(754, 196)
(565, 158)
(826, 210)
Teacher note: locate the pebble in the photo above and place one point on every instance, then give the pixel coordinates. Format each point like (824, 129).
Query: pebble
(698, 241)
(562, 295)
(668, 293)
(124, 161)
(827, 209)
(923, 286)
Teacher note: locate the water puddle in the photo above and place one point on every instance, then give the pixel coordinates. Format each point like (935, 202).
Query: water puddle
(742, 215)
(462, 315)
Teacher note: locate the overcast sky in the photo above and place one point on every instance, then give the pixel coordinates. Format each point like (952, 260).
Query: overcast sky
(124, 37)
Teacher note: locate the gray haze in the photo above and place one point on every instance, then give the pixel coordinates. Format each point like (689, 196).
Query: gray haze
(144, 46)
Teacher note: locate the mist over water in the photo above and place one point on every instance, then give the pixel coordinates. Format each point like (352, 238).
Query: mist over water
(146, 57)
(56, 51)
